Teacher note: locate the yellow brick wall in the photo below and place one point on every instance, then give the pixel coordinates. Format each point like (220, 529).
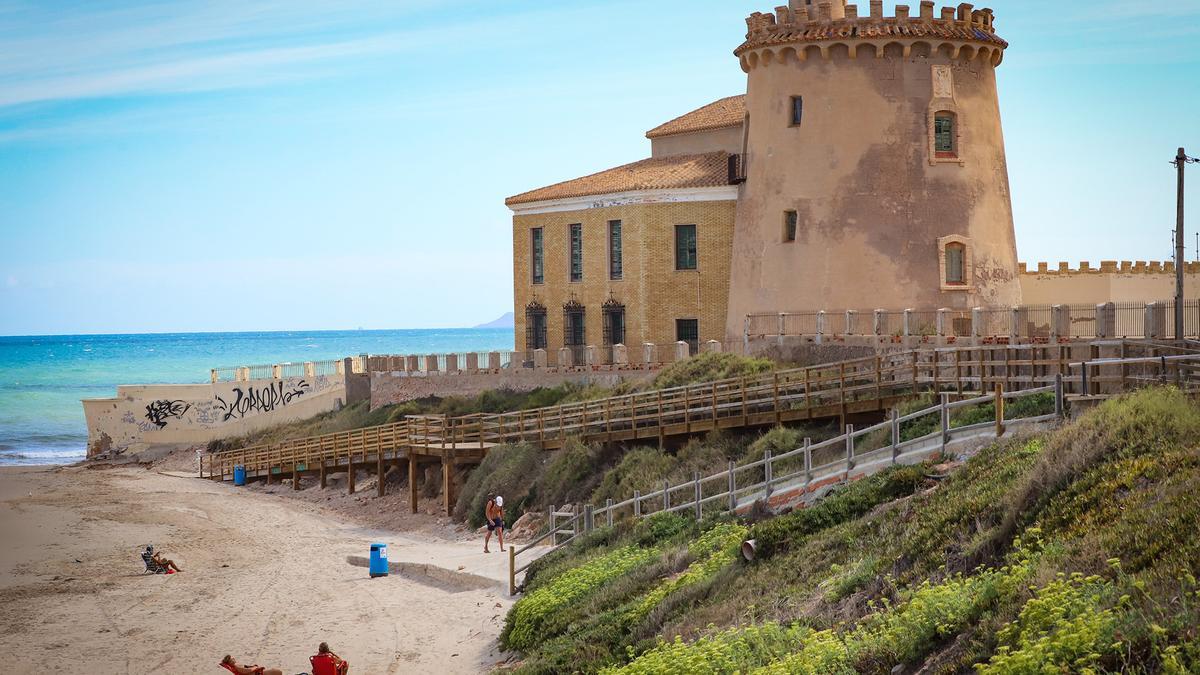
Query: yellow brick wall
(653, 292)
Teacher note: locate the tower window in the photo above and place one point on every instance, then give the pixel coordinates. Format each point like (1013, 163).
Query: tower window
(685, 247)
(615, 263)
(789, 225)
(538, 255)
(945, 142)
(576, 252)
(956, 259)
(797, 110)
(535, 326)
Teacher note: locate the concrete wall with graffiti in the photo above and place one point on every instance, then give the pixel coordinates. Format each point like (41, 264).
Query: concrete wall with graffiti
(198, 413)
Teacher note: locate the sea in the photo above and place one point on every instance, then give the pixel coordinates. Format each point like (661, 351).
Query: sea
(44, 378)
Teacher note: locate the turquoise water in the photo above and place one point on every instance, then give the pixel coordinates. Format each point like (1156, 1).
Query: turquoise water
(43, 378)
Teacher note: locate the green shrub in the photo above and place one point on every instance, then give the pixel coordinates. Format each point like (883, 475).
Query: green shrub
(642, 468)
(778, 534)
(507, 470)
(708, 367)
(522, 629)
(736, 650)
(571, 474)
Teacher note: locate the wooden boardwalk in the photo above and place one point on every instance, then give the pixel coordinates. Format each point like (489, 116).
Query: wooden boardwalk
(865, 387)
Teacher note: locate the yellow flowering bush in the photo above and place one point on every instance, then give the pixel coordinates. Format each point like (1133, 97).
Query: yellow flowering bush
(730, 651)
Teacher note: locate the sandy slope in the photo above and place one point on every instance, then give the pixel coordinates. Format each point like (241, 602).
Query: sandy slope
(266, 578)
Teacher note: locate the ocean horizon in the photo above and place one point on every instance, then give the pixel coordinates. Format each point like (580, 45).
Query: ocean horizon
(43, 378)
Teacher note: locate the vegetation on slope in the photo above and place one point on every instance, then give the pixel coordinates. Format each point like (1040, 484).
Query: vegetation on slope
(1072, 551)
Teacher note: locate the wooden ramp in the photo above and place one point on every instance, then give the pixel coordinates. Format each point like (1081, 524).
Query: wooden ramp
(842, 390)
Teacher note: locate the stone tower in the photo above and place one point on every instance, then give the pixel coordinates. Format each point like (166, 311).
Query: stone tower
(874, 164)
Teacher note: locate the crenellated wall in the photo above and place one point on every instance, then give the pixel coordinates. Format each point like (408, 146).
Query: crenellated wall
(1110, 281)
(877, 202)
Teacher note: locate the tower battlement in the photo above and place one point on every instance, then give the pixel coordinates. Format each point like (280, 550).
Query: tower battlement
(817, 21)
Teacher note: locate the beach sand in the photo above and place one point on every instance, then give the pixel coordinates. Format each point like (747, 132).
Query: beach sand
(265, 578)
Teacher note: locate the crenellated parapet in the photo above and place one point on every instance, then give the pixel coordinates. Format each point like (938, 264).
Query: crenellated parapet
(803, 29)
(1109, 267)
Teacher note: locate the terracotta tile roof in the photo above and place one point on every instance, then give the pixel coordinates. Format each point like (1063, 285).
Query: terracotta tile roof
(657, 173)
(727, 112)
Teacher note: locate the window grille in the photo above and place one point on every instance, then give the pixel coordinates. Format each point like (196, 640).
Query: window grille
(688, 330)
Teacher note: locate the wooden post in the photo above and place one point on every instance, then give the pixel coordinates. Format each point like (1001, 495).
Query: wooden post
(448, 482)
(696, 483)
(512, 570)
(999, 411)
(666, 495)
(637, 503)
(687, 409)
(958, 371)
(945, 415)
(608, 419)
(879, 381)
(714, 405)
(350, 474)
(608, 509)
(662, 433)
(732, 486)
(412, 480)
(914, 373)
(379, 469)
(776, 399)
(553, 520)
(1059, 408)
(895, 435)
(295, 477)
(807, 463)
(842, 394)
(849, 450)
(768, 474)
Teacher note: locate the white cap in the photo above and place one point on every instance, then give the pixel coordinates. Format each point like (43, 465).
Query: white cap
(499, 501)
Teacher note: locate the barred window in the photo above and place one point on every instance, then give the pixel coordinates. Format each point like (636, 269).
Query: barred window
(956, 255)
(797, 110)
(790, 220)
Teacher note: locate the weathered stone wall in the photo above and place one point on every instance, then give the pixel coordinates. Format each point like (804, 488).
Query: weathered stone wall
(875, 203)
(199, 413)
(389, 388)
(1112, 281)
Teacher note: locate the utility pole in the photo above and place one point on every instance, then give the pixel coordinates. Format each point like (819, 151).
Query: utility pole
(1181, 160)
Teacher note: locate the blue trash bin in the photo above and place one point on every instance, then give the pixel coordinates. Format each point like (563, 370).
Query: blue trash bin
(239, 475)
(379, 563)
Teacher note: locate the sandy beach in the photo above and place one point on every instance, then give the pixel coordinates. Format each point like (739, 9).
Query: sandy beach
(266, 578)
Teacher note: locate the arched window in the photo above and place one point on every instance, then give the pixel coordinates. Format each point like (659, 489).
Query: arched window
(956, 264)
(945, 135)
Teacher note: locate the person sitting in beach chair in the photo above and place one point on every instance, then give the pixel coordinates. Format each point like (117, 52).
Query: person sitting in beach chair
(229, 663)
(157, 564)
(494, 514)
(327, 663)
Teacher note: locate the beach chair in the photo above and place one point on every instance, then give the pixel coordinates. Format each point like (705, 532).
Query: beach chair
(151, 566)
(322, 664)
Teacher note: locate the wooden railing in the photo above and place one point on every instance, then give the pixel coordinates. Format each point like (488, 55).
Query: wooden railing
(869, 384)
(805, 470)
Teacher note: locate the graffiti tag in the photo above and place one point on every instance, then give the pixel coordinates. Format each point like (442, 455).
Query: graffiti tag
(259, 399)
(159, 411)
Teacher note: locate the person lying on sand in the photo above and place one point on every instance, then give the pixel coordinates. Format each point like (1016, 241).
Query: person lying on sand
(162, 562)
(494, 513)
(328, 663)
(229, 663)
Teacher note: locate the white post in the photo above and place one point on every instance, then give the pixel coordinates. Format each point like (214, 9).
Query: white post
(732, 486)
(907, 323)
(767, 471)
(780, 329)
(821, 327)
(850, 321)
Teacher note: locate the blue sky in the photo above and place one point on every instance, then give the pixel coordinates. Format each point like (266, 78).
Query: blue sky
(308, 165)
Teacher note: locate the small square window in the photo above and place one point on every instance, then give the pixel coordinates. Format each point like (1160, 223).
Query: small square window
(789, 225)
(797, 110)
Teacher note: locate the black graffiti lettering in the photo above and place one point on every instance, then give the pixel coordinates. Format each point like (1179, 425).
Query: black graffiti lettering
(158, 411)
(259, 399)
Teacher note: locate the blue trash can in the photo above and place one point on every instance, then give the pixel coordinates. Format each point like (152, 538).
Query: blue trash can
(239, 475)
(379, 563)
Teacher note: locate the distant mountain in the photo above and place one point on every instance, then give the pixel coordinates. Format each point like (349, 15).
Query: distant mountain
(505, 321)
